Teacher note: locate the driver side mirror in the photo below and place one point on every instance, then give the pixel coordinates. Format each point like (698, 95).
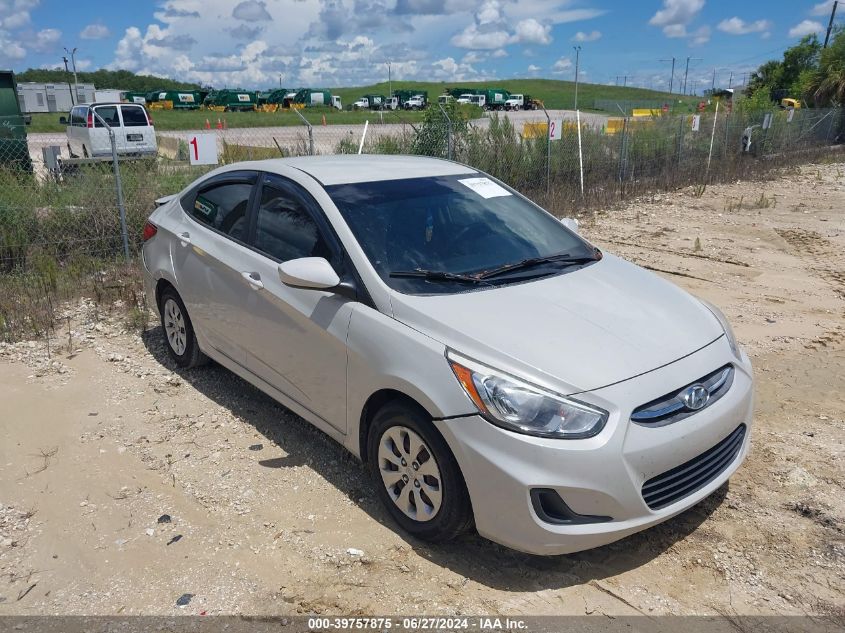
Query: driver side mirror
(570, 223)
(313, 273)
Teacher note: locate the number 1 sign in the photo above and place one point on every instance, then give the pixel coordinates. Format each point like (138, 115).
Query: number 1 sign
(202, 149)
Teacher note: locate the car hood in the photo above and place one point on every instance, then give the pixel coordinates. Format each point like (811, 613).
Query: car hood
(577, 331)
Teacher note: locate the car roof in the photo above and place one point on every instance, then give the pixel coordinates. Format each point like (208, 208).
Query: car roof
(354, 168)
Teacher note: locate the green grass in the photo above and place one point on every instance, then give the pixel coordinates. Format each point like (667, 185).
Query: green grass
(554, 93)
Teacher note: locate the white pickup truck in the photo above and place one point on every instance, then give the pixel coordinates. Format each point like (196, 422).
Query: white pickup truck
(417, 102)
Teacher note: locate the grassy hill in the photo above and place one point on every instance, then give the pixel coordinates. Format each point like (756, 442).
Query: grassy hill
(554, 93)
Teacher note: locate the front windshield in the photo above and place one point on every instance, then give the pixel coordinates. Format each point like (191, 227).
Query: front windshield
(460, 225)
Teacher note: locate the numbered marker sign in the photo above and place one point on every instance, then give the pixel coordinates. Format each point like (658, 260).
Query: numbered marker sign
(790, 114)
(696, 122)
(202, 149)
(555, 129)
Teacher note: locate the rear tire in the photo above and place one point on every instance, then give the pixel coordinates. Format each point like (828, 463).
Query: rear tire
(416, 475)
(179, 336)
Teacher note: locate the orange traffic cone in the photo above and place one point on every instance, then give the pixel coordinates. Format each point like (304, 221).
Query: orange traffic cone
(207, 125)
(219, 125)
(324, 119)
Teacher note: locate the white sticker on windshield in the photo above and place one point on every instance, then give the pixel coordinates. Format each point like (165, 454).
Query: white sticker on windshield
(485, 187)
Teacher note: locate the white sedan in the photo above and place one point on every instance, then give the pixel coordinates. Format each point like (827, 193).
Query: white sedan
(488, 365)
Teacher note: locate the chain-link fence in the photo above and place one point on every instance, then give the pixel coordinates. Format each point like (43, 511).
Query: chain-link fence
(63, 220)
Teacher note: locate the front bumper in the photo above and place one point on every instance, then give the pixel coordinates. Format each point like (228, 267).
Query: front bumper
(603, 475)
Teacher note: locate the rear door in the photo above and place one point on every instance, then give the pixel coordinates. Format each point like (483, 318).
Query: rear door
(296, 339)
(99, 134)
(211, 257)
(138, 134)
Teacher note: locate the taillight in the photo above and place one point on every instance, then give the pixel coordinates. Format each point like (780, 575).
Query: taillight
(149, 118)
(150, 230)
(90, 119)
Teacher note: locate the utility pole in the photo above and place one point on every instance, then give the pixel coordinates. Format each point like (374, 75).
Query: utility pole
(73, 63)
(672, 76)
(731, 80)
(69, 89)
(686, 72)
(624, 80)
(713, 84)
(830, 24)
(389, 83)
(577, 61)
(280, 81)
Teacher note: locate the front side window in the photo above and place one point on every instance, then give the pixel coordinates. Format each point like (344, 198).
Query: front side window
(465, 225)
(285, 229)
(224, 207)
(134, 116)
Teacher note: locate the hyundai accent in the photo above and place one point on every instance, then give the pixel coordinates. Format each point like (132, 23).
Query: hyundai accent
(491, 367)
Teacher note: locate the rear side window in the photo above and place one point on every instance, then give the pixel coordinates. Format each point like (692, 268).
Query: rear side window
(224, 208)
(133, 116)
(109, 114)
(285, 229)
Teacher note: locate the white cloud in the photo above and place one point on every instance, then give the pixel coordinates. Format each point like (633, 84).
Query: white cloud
(530, 31)
(805, 27)
(581, 36)
(252, 11)
(95, 32)
(533, 70)
(700, 36)
(738, 26)
(822, 8)
(473, 57)
(490, 29)
(499, 53)
(46, 40)
(561, 66)
(675, 15)
(449, 69)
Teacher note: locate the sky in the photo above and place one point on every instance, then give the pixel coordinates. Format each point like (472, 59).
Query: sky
(326, 43)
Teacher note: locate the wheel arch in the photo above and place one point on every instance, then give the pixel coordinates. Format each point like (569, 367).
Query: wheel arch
(374, 404)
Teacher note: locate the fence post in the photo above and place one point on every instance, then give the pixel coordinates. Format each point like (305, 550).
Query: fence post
(121, 207)
(448, 132)
(830, 128)
(310, 132)
(548, 150)
(580, 153)
(712, 138)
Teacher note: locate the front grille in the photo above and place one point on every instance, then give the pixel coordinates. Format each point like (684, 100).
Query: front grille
(673, 485)
(673, 408)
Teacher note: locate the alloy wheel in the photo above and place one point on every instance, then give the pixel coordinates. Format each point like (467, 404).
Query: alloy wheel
(174, 327)
(410, 473)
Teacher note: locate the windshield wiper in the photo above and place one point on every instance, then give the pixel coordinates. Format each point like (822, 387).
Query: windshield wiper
(436, 275)
(562, 258)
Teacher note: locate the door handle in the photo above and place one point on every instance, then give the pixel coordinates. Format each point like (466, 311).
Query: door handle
(184, 238)
(254, 280)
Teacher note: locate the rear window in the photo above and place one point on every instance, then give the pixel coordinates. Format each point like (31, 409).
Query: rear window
(134, 116)
(109, 114)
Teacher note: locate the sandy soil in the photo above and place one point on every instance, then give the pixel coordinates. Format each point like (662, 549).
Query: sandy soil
(266, 515)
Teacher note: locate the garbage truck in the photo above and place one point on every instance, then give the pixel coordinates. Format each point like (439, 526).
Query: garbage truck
(14, 151)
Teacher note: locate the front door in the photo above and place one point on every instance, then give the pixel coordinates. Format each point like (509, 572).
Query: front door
(297, 338)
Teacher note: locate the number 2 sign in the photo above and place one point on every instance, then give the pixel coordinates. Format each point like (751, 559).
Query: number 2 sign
(202, 149)
(555, 129)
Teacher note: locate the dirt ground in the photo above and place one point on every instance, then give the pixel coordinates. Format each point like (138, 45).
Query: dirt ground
(266, 515)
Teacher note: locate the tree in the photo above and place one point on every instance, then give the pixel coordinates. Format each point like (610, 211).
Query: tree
(120, 79)
(787, 77)
(825, 86)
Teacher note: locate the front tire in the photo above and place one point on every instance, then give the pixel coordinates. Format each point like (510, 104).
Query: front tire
(416, 475)
(179, 336)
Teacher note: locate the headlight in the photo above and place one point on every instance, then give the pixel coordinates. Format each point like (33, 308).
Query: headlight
(518, 406)
(729, 331)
